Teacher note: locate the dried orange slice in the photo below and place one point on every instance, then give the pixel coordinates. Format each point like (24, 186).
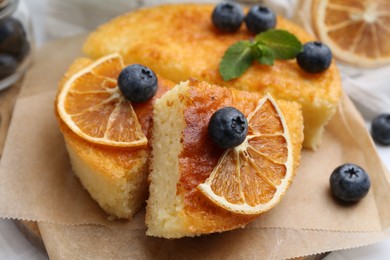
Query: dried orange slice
(251, 178)
(357, 31)
(92, 106)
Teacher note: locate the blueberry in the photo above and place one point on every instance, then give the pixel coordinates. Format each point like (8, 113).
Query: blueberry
(13, 39)
(228, 127)
(260, 19)
(380, 129)
(227, 17)
(316, 57)
(8, 65)
(349, 182)
(137, 83)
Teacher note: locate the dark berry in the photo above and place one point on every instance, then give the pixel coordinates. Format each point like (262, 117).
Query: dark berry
(137, 83)
(227, 17)
(260, 19)
(13, 39)
(380, 129)
(228, 127)
(23, 52)
(316, 57)
(8, 65)
(349, 182)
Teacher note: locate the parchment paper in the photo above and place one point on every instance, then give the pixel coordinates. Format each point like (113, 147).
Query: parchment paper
(89, 242)
(37, 184)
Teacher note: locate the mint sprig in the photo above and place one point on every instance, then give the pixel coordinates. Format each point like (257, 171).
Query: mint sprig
(265, 48)
(264, 54)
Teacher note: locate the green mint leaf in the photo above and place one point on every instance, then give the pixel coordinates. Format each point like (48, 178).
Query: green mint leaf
(236, 60)
(283, 44)
(263, 54)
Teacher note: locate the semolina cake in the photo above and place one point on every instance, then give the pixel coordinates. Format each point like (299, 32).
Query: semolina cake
(115, 177)
(179, 41)
(183, 158)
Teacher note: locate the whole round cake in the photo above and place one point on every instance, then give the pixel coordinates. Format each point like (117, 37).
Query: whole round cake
(140, 114)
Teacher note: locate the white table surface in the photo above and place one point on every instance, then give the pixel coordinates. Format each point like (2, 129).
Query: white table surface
(13, 245)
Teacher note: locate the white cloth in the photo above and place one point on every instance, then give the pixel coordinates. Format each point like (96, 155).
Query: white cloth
(370, 91)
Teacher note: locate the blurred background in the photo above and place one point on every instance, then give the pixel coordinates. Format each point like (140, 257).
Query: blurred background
(56, 19)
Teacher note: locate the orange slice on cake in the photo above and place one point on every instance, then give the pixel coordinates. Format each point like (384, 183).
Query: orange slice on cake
(91, 105)
(251, 178)
(357, 31)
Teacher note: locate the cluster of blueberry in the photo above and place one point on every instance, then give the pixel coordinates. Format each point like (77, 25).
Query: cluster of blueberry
(228, 17)
(14, 46)
(315, 57)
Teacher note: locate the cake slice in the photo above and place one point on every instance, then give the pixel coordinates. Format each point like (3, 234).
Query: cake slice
(184, 199)
(179, 41)
(115, 177)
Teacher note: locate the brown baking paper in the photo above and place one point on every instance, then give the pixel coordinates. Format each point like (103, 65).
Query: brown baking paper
(37, 184)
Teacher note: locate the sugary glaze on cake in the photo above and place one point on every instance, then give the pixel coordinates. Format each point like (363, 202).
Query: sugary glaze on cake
(175, 207)
(115, 177)
(179, 42)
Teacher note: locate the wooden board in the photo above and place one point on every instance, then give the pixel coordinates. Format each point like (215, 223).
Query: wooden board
(30, 231)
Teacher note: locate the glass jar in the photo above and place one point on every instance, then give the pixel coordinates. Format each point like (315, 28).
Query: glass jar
(16, 42)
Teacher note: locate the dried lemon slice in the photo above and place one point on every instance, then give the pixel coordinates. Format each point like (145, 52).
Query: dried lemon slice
(92, 106)
(357, 31)
(251, 178)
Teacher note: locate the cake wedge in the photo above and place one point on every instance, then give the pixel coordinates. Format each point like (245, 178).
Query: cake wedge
(190, 176)
(103, 156)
